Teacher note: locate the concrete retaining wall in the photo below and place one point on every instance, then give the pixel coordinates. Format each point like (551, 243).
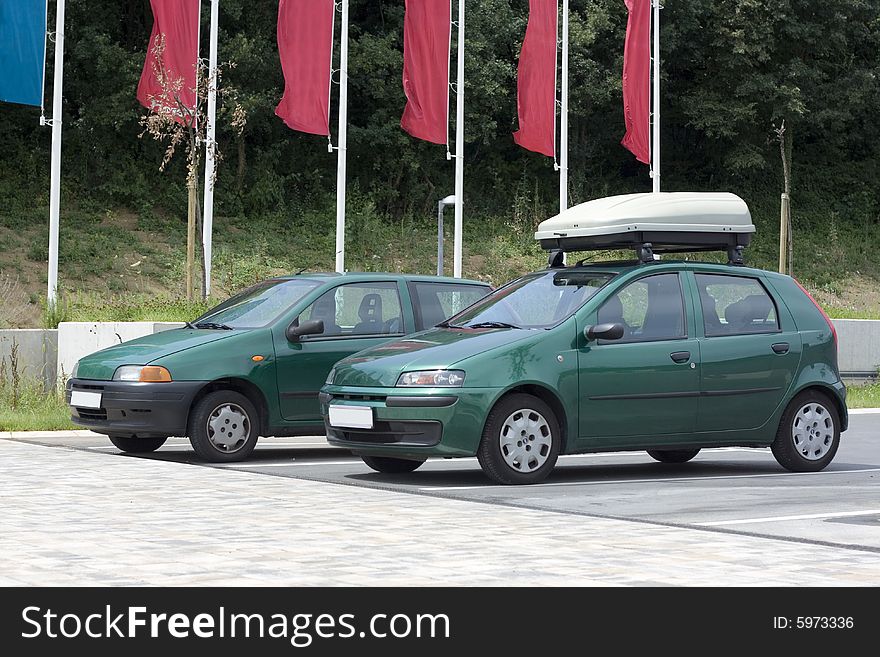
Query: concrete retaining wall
(78, 339)
(858, 346)
(36, 353)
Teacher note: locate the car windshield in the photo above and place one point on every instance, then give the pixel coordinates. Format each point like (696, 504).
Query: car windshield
(256, 306)
(536, 301)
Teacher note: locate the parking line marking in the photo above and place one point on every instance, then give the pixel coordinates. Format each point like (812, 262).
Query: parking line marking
(648, 481)
(809, 516)
(257, 464)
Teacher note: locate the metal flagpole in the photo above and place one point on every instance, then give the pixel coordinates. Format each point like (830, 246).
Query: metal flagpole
(210, 134)
(459, 147)
(563, 121)
(343, 140)
(55, 167)
(655, 150)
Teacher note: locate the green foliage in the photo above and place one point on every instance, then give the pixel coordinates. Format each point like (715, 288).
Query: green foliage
(54, 314)
(133, 308)
(730, 71)
(31, 408)
(863, 396)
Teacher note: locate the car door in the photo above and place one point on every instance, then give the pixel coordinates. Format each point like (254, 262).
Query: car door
(750, 352)
(356, 316)
(647, 382)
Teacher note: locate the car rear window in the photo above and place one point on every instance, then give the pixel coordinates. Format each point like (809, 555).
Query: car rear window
(437, 302)
(735, 305)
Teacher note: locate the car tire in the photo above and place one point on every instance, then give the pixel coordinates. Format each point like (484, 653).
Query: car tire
(389, 465)
(809, 433)
(224, 427)
(526, 458)
(131, 445)
(673, 455)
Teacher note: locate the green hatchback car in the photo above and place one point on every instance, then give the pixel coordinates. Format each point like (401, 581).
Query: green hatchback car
(253, 365)
(666, 357)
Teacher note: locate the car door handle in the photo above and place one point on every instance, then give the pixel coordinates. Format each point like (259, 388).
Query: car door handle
(680, 356)
(780, 347)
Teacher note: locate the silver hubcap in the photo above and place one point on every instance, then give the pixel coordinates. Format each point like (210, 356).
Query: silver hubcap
(229, 427)
(526, 440)
(813, 431)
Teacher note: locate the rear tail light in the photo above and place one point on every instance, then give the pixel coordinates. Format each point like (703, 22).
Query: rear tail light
(819, 308)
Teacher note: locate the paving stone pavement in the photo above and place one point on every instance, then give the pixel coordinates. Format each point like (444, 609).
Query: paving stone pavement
(70, 517)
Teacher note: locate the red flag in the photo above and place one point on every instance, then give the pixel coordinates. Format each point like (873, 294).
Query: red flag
(176, 30)
(637, 78)
(426, 32)
(305, 45)
(536, 89)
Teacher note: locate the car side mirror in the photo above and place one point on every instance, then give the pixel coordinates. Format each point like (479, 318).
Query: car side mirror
(604, 332)
(312, 327)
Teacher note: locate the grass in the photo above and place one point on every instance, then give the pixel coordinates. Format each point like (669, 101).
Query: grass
(30, 408)
(867, 396)
(120, 264)
(92, 307)
(836, 312)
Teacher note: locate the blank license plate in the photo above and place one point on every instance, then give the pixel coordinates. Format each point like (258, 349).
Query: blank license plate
(353, 417)
(85, 399)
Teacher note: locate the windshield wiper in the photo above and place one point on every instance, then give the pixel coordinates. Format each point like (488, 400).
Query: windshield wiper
(446, 324)
(212, 325)
(492, 325)
(189, 325)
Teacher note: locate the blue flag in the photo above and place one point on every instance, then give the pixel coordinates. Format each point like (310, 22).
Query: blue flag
(22, 51)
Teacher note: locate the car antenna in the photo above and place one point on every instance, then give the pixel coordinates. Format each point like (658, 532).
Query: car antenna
(302, 270)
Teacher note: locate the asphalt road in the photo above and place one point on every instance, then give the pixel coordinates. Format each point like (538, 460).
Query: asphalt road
(730, 490)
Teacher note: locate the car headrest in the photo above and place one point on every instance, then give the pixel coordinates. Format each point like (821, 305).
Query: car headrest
(371, 308)
(748, 310)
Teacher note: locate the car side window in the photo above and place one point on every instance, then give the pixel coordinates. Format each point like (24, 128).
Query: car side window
(735, 305)
(651, 308)
(358, 309)
(437, 302)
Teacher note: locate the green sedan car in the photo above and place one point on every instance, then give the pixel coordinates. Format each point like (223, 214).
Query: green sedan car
(252, 366)
(668, 357)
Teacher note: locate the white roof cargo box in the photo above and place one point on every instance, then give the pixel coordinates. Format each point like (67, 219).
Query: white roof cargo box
(668, 221)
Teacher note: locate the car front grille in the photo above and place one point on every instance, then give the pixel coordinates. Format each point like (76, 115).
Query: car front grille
(416, 433)
(361, 398)
(94, 414)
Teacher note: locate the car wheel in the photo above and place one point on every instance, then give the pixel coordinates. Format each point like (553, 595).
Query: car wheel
(809, 433)
(137, 445)
(391, 465)
(673, 455)
(224, 427)
(520, 442)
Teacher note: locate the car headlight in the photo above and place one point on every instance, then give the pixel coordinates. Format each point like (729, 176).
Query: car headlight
(142, 374)
(330, 376)
(431, 378)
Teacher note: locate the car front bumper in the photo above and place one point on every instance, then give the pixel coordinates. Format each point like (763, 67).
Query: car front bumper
(414, 423)
(131, 409)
